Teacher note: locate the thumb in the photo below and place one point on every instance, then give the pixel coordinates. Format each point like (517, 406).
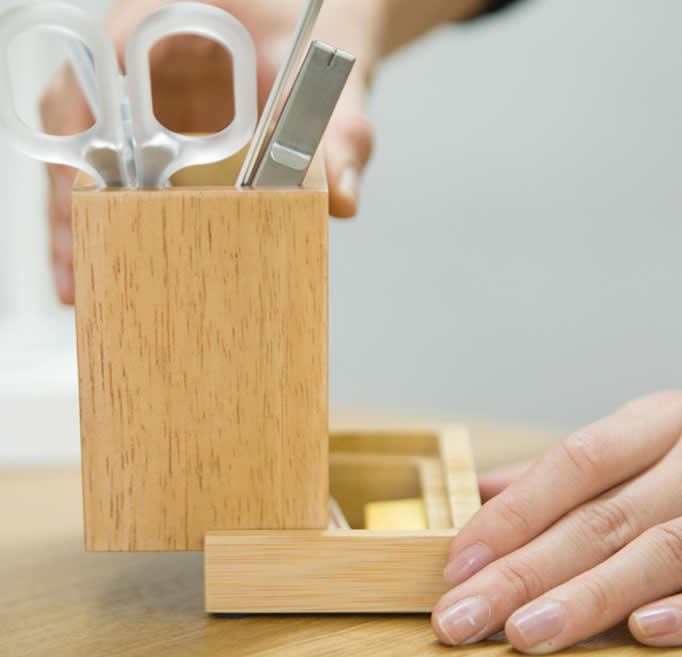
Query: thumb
(348, 145)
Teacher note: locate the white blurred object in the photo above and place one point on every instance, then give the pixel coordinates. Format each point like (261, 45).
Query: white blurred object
(38, 375)
(39, 391)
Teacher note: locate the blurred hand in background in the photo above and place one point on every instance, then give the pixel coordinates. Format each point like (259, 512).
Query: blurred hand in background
(191, 80)
(192, 92)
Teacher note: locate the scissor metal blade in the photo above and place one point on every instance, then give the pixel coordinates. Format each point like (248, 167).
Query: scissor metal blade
(117, 169)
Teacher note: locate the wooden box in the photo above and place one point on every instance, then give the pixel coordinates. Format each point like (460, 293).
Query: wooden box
(202, 333)
(355, 570)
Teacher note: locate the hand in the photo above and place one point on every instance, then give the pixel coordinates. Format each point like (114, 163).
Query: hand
(191, 82)
(585, 537)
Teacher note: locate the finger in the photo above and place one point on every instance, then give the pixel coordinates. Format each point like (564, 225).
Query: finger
(348, 147)
(59, 212)
(63, 112)
(647, 569)
(578, 469)
(658, 624)
(493, 483)
(587, 536)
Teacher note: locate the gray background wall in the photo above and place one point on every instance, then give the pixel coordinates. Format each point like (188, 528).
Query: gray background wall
(518, 249)
(517, 254)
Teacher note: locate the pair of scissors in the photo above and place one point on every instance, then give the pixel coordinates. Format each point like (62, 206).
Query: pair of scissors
(127, 146)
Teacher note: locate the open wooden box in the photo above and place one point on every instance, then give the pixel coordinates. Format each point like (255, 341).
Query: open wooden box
(355, 570)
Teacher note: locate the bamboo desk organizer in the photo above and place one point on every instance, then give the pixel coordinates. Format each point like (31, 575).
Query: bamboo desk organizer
(355, 570)
(202, 329)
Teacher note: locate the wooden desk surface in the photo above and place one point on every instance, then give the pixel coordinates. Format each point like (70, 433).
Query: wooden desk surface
(58, 601)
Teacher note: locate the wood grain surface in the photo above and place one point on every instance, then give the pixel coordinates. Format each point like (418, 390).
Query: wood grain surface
(57, 601)
(354, 570)
(325, 571)
(460, 475)
(434, 493)
(202, 346)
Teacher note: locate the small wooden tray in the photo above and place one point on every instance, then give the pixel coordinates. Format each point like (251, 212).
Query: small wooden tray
(356, 570)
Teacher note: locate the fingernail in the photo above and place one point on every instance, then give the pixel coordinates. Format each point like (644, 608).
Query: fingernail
(658, 621)
(349, 182)
(538, 623)
(467, 563)
(63, 245)
(466, 621)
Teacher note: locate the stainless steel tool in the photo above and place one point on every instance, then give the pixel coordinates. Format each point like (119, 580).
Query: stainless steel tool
(301, 38)
(304, 119)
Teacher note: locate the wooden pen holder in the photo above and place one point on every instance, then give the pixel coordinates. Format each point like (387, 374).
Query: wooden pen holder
(202, 326)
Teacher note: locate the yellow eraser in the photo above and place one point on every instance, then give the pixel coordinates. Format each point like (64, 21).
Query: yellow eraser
(396, 514)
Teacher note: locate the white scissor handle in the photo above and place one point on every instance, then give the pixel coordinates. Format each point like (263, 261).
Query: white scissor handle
(160, 152)
(105, 137)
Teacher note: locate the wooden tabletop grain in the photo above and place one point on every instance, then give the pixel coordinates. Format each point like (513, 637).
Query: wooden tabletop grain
(58, 601)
